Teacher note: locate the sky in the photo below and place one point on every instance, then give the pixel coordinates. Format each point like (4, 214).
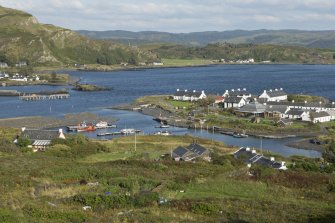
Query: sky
(181, 16)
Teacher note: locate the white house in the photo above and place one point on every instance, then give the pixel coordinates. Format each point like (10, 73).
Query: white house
(189, 95)
(41, 139)
(234, 102)
(321, 116)
(242, 93)
(274, 95)
(297, 114)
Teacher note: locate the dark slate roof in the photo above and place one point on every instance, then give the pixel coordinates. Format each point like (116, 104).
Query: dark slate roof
(319, 114)
(196, 148)
(253, 107)
(238, 93)
(33, 134)
(249, 157)
(275, 93)
(180, 151)
(244, 154)
(267, 162)
(295, 112)
(233, 99)
(188, 93)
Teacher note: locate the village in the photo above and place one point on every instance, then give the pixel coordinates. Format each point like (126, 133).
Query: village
(272, 103)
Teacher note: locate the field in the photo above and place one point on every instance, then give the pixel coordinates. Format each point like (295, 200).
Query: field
(121, 184)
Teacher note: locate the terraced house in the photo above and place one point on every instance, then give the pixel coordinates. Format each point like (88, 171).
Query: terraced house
(189, 95)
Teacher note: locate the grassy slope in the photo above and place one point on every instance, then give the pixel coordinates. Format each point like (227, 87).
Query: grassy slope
(23, 38)
(38, 187)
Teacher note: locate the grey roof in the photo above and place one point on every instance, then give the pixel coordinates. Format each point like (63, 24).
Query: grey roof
(253, 107)
(295, 112)
(276, 108)
(238, 93)
(276, 93)
(187, 93)
(33, 134)
(232, 99)
(301, 104)
(179, 152)
(320, 114)
(189, 153)
(196, 148)
(249, 157)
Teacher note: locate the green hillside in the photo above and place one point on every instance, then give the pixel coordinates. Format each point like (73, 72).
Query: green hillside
(22, 37)
(227, 51)
(312, 39)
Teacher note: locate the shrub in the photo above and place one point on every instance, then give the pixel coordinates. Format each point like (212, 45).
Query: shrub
(205, 208)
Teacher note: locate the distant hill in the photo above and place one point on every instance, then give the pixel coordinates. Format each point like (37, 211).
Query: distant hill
(312, 39)
(23, 38)
(234, 52)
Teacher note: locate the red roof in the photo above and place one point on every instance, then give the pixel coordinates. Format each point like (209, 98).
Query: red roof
(218, 99)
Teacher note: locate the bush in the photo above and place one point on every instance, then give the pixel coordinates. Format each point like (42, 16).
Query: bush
(205, 208)
(23, 142)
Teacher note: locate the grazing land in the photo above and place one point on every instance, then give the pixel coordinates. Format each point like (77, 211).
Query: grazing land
(77, 180)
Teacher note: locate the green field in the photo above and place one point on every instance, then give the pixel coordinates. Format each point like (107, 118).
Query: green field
(185, 62)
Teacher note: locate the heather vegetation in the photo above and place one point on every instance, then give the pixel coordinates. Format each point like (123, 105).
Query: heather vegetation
(79, 180)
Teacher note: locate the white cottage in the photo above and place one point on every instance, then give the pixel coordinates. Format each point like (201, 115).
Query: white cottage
(274, 95)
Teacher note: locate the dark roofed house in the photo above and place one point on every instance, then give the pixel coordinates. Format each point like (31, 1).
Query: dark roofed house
(41, 138)
(241, 93)
(189, 95)
(234, 102)
(251, 157)
(274, 95)
(191, 152)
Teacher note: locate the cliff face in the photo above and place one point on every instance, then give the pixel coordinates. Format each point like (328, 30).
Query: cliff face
(22, 37)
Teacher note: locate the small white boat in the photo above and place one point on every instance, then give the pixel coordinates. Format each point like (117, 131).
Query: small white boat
(163, 133)
(162, 126)
(101, 125)
(127, 131)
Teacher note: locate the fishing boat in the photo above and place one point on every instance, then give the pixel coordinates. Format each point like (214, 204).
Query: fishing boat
(83, 127)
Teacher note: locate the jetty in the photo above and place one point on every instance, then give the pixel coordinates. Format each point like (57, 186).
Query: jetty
(36, 97)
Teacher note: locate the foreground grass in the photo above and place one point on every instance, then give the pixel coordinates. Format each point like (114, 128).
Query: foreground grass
(42, 187)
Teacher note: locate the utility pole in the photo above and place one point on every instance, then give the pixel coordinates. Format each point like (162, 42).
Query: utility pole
(135, 141)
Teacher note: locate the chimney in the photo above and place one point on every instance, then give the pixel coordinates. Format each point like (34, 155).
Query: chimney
(23, 129)
(60, 131)
(247, 149)
(333, 103)
(244, 89)
(232, 90)
(282, 163)
(185, 90)
(177, 89)
(270, 90)
(193, 91)
(305, 102)
(292, 101)
(253, 151)
(281, 89)
(272, 158)
(238, 89)
(276, 89)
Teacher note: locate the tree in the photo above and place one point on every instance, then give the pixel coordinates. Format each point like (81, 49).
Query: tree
(23, 142)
